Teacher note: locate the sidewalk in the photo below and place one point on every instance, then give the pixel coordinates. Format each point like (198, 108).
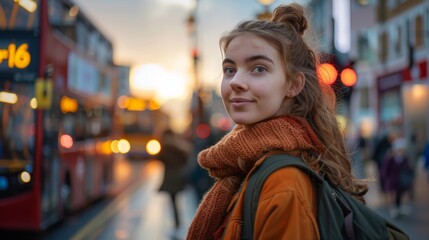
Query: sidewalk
(416, 223)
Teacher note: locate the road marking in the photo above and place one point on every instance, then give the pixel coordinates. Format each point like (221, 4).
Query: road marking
(92, 229)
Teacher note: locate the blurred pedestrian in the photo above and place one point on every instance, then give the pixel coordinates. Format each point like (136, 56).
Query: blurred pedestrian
(174, 155)
(383, 144)
(358, 146)
(398, 176)
(271, 90)
(198, 177)
(426, 159)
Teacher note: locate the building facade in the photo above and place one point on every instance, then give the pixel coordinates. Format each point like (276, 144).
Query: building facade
(392, 65)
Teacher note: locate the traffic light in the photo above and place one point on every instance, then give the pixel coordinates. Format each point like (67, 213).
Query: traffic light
(327, 73)
(340, 75)
(348, 77)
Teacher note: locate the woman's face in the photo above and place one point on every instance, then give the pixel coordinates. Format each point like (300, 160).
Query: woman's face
(254, 85)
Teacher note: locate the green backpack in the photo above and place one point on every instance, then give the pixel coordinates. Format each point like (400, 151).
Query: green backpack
(339, 215)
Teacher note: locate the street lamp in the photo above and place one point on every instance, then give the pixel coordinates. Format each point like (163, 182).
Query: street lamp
(266, 14)
(197, 106)
(266, 2)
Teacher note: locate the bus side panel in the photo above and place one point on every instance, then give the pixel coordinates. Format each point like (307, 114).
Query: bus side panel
(90, 176)
(75, 164)
(15, 212)
(94, 179)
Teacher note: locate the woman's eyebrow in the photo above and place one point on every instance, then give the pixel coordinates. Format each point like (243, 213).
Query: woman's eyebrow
(227, 60)
(258, 57)
(249, 59)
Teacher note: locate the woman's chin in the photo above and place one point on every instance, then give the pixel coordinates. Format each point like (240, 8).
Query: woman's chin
(240, 120)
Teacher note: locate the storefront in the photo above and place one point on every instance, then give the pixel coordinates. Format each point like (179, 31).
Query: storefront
(403, 102)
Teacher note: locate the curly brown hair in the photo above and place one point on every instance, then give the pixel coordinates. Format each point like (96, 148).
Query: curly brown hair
(316, 102)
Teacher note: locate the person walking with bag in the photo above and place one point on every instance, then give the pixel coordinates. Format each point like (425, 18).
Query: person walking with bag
(398, 176)
(271, 90)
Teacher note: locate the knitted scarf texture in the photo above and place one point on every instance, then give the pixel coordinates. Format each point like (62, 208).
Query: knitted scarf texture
(233, 157)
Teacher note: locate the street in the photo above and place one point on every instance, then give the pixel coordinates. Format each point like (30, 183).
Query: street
(134, 210)
(140, 211)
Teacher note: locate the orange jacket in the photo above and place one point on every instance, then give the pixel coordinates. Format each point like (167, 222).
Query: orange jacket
(286, 210)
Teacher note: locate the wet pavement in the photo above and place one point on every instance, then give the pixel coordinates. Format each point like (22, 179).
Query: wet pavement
(153, 219)
(149, 215)
(142, 212)
(416, 221)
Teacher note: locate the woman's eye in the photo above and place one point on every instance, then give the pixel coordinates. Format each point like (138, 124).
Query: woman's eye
(228, 70)
(259, 69)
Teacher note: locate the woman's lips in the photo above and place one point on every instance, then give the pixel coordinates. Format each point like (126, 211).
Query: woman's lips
(239, 102)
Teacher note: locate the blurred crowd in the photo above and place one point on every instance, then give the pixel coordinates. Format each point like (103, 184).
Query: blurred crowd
(396, 160)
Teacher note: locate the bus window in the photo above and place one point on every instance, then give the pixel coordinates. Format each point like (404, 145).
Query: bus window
(138, 123)
(63, 18)
(87, 123)
(19, 14)
(16, 122)
(99, 122)
(106, 123)
(74, 124)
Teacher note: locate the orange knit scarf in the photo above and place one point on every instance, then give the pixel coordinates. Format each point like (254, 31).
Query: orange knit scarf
(245, 144)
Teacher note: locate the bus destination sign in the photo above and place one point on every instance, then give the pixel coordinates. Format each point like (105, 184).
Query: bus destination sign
(18, 60)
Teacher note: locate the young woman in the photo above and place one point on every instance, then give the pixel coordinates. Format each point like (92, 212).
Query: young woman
(271, 90)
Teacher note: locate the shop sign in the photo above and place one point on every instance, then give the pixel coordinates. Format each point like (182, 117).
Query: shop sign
(389, 81)
(418, 72)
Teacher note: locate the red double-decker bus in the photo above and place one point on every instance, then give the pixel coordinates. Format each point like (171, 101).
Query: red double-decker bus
(57, 90)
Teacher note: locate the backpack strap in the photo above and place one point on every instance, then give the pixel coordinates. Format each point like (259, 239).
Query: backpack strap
(256, 182)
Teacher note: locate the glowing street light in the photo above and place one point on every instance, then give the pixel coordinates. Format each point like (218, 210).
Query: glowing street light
(266, 14)
(348, 77)
(266, 2)
(327, 73)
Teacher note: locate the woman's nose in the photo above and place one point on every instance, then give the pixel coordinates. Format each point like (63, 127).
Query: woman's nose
(238, 82)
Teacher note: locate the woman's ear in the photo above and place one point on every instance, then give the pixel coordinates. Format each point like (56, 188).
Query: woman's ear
(296, 85)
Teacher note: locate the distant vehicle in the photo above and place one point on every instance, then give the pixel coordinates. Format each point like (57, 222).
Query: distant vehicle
(142, 125)
(57, 112)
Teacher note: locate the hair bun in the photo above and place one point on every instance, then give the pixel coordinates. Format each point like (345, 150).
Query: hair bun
(291, 14)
